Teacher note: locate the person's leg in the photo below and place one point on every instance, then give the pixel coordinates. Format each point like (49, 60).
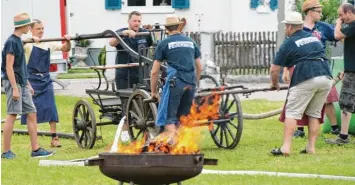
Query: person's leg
(314, 110)
(55, 140)
(13, 108)
(347, 106)
(32, 130)
(333, 96)
(297, 102)
(176, 94)
(29, 108)
(7, 131)
(313, 130)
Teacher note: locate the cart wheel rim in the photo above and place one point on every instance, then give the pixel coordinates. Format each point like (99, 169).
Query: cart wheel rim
(84, 124)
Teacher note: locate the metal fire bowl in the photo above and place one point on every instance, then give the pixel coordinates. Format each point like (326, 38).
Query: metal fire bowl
(150, 169)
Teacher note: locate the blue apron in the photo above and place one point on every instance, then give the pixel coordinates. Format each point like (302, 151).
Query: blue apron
(41, 82)
(164, 99)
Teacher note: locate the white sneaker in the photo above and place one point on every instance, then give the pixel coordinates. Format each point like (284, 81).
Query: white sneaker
(125, 136)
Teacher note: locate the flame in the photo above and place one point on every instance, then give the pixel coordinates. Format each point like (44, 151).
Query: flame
(189, 134)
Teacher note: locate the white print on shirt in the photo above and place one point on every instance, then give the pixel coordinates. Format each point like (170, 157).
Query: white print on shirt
(179, 44)
(305, 41)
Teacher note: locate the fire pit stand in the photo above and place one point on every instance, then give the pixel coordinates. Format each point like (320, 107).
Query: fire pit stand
(150, 168)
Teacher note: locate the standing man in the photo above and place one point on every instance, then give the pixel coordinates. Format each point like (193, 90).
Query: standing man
(310, 83)
(346, 14)
(18, 90)
(38, 62)
(324, 32)
(184, 70)
(123, 74)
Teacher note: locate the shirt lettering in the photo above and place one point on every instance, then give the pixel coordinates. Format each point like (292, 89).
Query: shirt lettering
(181, 44)
(305, 41)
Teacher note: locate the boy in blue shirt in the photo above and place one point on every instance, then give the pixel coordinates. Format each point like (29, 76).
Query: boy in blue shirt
(18, 90)
(184, 69)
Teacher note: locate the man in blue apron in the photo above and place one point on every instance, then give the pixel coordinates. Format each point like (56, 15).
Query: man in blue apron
(38, 62)
(127, 77)
(310, 83)
(18, 90)
(184, 69)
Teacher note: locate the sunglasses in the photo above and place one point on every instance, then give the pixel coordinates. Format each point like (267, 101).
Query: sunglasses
(319, 11)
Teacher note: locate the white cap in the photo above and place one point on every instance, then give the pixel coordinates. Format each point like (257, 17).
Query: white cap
(293, 18)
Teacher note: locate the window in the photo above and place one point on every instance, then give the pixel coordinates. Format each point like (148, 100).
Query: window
(263, 6)
(147, 6)
(136, 2)
(161, 2)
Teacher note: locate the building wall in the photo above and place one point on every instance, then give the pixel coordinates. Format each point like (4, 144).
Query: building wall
(90, 16)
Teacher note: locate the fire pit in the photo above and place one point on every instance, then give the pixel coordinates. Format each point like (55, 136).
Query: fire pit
(150, 168)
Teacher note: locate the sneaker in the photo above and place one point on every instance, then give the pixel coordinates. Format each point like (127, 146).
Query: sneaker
(336, 131)
(125, 136)
(41, 153)
(338, 141)
(8, 155)
(299, 133)
(55, 143)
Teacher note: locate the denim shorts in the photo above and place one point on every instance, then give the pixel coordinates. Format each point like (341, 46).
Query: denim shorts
(24, 105)
(180, 101)
(347, 93)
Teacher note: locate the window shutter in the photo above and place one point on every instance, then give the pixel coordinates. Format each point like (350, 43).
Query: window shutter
(180, 3)
(254, 4)
(273, 4)
(113, 4)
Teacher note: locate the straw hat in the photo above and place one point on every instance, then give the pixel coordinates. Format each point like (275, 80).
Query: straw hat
(309, 4)
(22, 19)
(172, 20)
(293, 18)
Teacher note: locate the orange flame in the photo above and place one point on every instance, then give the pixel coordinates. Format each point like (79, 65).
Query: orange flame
(189, 134)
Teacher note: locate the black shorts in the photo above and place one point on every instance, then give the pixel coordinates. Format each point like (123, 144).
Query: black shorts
(347, 93)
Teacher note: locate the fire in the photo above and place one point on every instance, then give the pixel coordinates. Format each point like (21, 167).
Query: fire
(189, 134)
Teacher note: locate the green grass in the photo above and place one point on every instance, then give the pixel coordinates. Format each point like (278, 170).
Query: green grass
(76, 76)
(78, 73)
(80, 70)
(252, 153)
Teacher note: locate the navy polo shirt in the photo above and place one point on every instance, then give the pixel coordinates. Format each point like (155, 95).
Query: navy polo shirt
(323, 31)
(306, 53)
(180, 53)
(349, 47)
(14, 46)
(123, 57)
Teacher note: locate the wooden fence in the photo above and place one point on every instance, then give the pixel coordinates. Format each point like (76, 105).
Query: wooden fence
(245, 52)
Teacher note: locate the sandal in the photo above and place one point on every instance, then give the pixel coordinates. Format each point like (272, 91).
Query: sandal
(277, 152)
(304, 151)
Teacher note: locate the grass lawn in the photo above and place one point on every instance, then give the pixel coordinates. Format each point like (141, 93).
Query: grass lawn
(78, 73)
(252, 153)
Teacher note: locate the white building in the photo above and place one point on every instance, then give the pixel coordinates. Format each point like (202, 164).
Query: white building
(94, 16)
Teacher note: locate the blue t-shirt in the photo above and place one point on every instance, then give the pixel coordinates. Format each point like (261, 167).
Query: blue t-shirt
(306, 53)
(349, 47)
(180, 53)
(14, 46)
(323, 31)
(123, 57)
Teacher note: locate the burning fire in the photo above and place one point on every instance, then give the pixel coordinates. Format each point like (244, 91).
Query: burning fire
(189, 134)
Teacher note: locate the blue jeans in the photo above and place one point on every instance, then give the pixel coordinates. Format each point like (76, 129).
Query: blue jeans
(180, 101)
